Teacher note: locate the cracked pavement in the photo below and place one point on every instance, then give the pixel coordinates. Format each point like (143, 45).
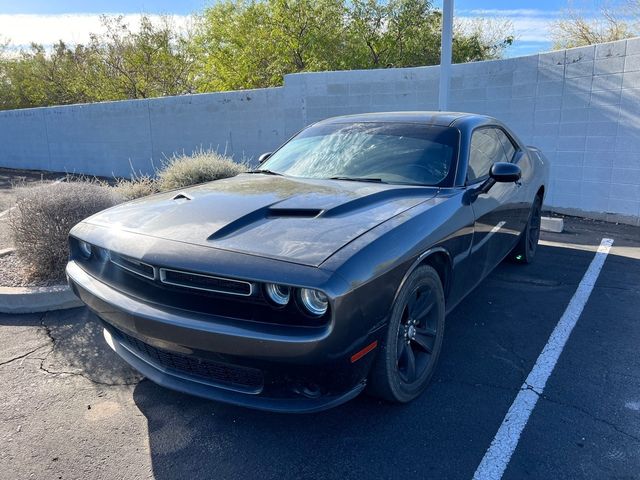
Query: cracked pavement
(72, 410)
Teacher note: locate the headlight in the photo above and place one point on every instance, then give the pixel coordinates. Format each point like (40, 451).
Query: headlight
(278, 294)
(85, 248)
(314, 301)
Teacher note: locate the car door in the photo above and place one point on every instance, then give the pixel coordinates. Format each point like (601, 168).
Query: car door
(522, 200)
(497, 213)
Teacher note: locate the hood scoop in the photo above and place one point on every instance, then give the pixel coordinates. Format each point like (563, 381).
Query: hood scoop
(254, 218)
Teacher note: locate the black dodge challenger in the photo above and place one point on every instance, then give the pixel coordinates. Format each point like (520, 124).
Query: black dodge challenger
(327, 270)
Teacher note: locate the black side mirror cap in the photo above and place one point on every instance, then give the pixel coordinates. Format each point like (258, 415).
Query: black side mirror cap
(505, 172)
(263, 157)
(502, 172)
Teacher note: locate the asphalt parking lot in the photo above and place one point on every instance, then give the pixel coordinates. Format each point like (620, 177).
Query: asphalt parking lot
(71, 409)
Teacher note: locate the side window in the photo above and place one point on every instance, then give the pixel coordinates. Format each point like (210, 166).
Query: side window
(486, 149)
(509, 148)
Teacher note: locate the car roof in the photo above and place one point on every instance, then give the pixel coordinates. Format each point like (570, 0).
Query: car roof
(444, 119)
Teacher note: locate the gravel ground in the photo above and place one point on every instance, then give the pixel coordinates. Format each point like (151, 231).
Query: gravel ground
(14, 274)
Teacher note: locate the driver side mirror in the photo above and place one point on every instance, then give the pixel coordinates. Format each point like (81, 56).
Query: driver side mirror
(263, 157)
(505, 172)
(501, 172)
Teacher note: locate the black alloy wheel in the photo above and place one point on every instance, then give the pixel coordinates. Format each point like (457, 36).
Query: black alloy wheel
(409, 354)
(525, 250)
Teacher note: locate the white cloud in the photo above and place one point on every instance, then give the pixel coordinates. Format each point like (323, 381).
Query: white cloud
(526, 12)
(530, 25)
(526, 29)
(23, 29)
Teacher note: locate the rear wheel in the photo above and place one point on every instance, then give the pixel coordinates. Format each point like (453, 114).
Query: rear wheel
(525, 250)
(409, 354)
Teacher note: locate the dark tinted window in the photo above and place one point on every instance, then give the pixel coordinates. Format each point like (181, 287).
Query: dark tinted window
(404, 153)
(507, 144)
(486, 149)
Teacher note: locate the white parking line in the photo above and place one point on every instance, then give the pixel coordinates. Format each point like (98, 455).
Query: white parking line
(498, 455)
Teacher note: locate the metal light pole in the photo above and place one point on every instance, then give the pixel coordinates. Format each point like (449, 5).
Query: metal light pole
(445, 54)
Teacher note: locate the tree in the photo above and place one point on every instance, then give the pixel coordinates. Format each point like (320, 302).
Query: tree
(5, 84)
(116, 64)
(238, 44)
(38, 78)
(395, 33)
(576, 30)
(153, 61)
(254, 43)
(481, 39)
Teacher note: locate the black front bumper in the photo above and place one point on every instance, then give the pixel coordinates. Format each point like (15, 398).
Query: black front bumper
(268, 367)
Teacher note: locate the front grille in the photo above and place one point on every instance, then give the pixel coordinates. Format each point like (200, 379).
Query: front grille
(208, 283)
(241, 378)
(132, 265)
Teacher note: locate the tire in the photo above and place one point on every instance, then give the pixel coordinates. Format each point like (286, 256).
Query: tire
(525, 250)
(416, 327)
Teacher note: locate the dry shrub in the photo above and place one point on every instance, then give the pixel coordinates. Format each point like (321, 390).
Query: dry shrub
(138, 186)
(41, 220)
(202, 166)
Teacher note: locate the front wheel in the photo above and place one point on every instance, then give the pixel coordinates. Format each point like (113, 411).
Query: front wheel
(525, 250)
(409, 354)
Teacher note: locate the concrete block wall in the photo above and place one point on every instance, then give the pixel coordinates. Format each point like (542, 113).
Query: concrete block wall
(580, 106)
(118, 138)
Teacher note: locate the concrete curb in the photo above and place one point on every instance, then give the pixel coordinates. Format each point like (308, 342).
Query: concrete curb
(550, 224)
(37, 299)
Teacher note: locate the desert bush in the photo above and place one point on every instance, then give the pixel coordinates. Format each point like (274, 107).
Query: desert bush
(202, 166)
(43, 215)
(138, 186)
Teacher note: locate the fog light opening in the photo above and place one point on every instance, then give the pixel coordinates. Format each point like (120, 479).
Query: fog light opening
(309, 390)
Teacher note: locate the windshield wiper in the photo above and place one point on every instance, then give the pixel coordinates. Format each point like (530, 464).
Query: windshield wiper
(358, 179)
(266, 172)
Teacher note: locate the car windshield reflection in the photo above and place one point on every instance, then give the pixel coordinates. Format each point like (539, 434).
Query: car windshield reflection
(398, 153)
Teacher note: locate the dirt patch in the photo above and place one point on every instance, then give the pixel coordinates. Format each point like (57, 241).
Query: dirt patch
(14, 274)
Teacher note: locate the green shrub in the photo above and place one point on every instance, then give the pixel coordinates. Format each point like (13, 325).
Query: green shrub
(43, 215)
(202, 166)
(138, 186)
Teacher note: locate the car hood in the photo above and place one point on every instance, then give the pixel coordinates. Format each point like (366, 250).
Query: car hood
(298, 220)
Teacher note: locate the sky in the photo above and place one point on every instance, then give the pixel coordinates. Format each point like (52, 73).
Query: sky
(46, 21)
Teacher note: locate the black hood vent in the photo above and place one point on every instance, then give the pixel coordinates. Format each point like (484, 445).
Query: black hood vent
(294, 212)
(181, 196)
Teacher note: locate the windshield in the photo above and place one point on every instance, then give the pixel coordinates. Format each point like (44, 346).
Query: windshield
(404, 153)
